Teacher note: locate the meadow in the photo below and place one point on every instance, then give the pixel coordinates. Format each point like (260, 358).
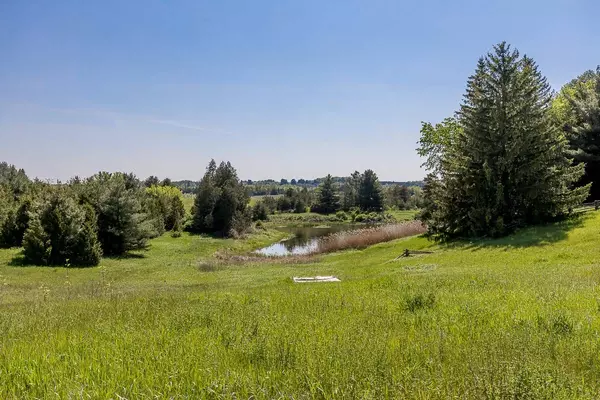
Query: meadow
(517, 317)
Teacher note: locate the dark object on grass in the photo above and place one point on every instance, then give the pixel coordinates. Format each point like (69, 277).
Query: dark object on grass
(408, 253)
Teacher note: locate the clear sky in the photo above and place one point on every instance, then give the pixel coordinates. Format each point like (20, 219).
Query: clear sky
(280, 88)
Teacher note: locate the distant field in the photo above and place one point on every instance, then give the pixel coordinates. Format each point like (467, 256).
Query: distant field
(402, 215)
(254, 199)
(188, 202)
(511, 318)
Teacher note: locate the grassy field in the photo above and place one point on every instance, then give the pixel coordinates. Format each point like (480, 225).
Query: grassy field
(511, 318)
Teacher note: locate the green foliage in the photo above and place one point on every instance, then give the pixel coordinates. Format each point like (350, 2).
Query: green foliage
(577, 109)
(221, 204)
(397, 196)
(292, 200)
(300, 206)
(363, 191)
(61, 232)
(167, 201)
(435, 140)
(370, 196)
(506, 165)
(350, 190)
(260, 212)
(14, 179)
(419, 302)
(123, 223)
(15, 222)
(563, 110)
(151, 181)
(328, 199)
(341, 215)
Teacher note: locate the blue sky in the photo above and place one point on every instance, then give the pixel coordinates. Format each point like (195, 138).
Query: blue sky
(280, 88)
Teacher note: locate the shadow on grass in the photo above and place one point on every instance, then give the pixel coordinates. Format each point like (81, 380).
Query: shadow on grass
(127, 256)
(533, 236)
(19, 261)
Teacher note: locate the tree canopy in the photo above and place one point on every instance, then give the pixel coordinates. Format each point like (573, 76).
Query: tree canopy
(221, 204)
(504, 165)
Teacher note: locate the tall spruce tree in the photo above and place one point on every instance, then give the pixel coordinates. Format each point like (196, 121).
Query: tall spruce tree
(370, 195)
(328, 200)
(507, 166)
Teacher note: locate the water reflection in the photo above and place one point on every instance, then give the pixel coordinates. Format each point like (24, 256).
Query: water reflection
(305, 240)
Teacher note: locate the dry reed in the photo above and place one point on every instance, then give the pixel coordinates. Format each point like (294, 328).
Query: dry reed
(362, 238)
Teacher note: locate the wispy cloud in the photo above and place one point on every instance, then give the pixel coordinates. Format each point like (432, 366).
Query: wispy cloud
(178, 124)
(99, 116)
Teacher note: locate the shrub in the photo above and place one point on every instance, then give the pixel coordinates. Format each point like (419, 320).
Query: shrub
(360, 218)
(176, 234)
(419, 302)
(341, 215)
(260, 212)
(300, 206)
(167, 204)
(62, 232)
(15, 223)
(123, 223)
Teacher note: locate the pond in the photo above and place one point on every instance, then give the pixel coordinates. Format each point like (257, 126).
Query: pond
(305, 239)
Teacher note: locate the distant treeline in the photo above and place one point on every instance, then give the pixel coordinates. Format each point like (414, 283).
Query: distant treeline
(274, 188)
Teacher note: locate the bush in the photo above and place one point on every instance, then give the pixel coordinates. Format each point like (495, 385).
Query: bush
(341, 215)
(419, 302)
(300, 207)
(176, 234)
(360, 218)
(62, 232)
(15, 223)
(260, 212)
(123, 222)
(166, 202)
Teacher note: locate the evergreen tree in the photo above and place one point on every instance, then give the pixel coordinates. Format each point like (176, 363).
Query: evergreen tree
(328, 200)
(151, 181)
(123, 222)
(204, 203)
(15, 222)
(260, 212)
(221, 204)
(14, 179)
(397, 196)
(350, 191)
(582, 127)
(507, 166)
(370, 195)
(62, 232)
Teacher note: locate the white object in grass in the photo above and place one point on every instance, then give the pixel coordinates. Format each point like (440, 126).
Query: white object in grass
(305, 279)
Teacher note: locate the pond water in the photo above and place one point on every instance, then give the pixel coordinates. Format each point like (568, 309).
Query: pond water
(305, 239)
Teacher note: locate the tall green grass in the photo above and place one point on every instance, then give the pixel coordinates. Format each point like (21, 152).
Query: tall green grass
(511, 318)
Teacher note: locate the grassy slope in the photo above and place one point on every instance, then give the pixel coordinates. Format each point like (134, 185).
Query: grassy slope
(511, 318)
